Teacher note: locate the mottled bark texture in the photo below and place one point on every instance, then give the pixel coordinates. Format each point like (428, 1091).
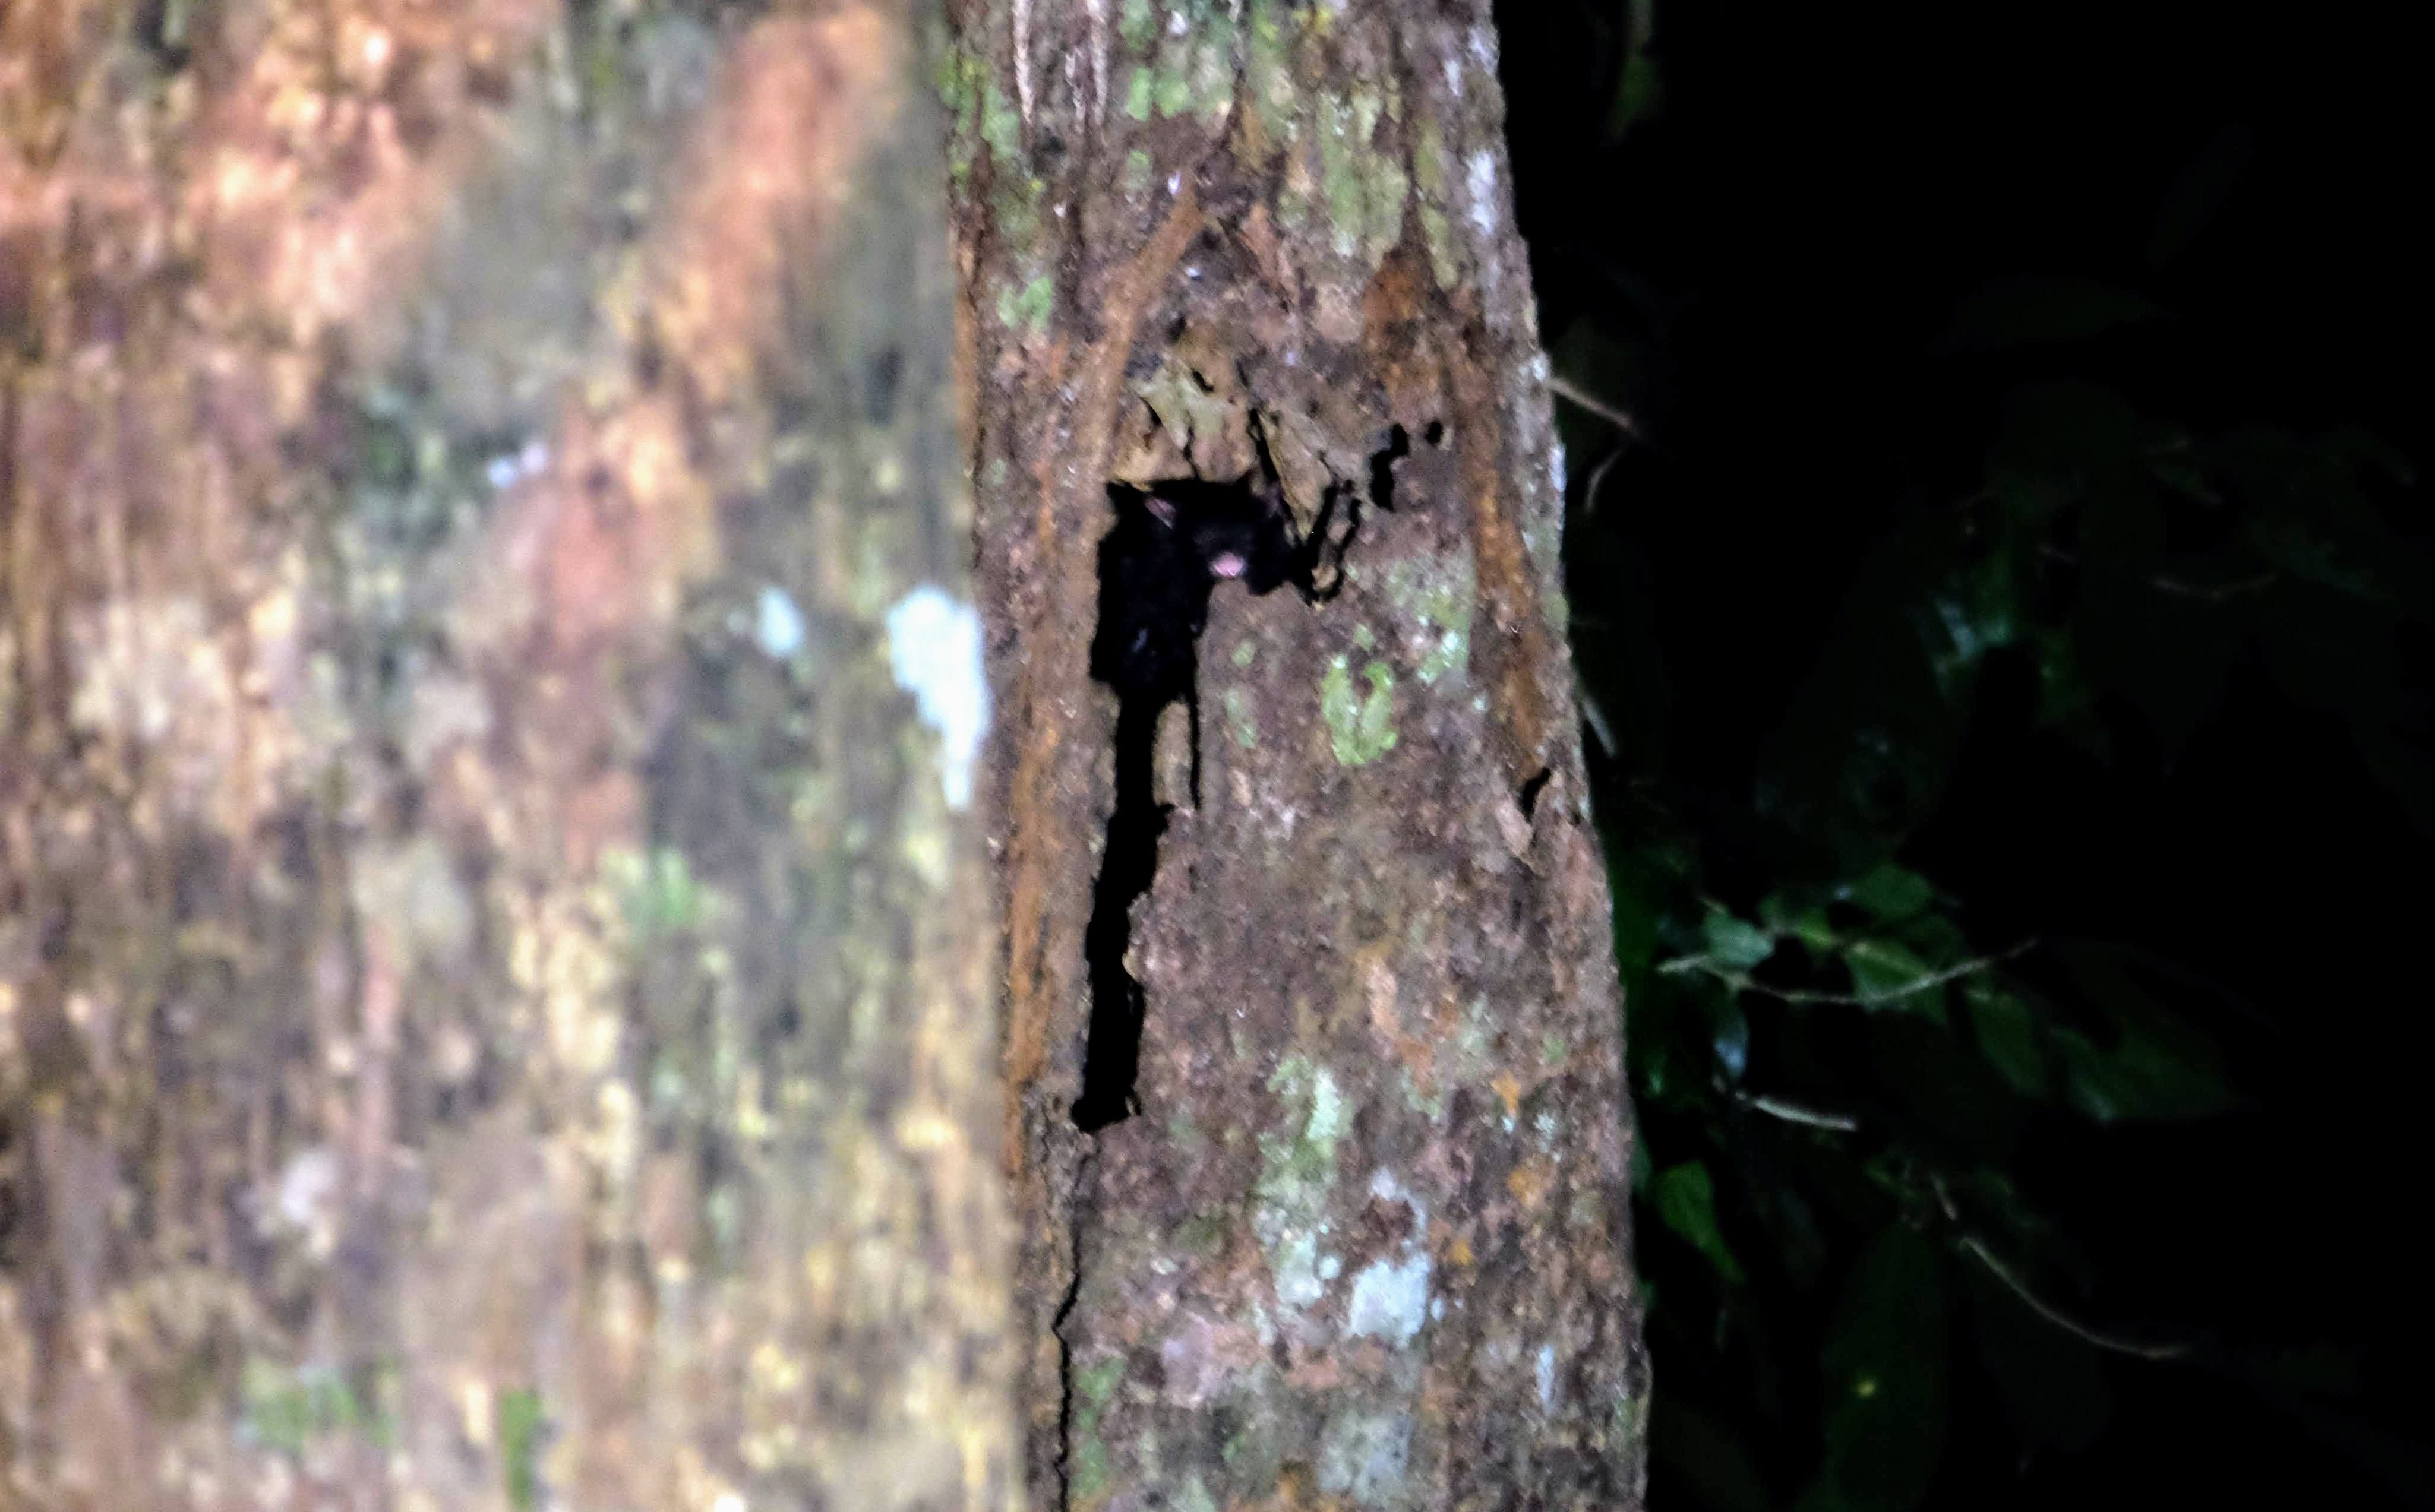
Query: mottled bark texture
(1364, 1242)
(495, 967)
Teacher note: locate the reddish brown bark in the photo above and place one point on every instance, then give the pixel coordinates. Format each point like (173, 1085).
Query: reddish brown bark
(493, 971)
(1365, 1242)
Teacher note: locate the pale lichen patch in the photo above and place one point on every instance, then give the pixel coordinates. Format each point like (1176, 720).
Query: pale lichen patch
(1435, 186)
(934, 650)
(1439, 598)
(1363, 1455)
(1360, 726)
(1298, 1175)
(1242, 717)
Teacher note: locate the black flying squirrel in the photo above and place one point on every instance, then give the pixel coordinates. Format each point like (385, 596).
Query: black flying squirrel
(1168, 548)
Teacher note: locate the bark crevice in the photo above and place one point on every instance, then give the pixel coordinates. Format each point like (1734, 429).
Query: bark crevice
(1168, 548)
(1065, 1346)
(1159, 562)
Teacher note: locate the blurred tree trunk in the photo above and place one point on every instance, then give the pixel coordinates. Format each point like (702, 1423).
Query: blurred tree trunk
(1347, 1225)
(496, 961)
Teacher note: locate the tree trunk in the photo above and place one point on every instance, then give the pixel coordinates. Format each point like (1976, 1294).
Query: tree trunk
(1315, 1107)
(496, 962)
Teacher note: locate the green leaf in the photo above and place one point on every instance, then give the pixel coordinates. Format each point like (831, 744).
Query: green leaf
(1864, 748)
(1735, 943)
(1976, 610)
(1892, 893)
(1639, 94)
(2066, 703)
(519, 1430)
(2179, 474)
(2007, 1035)
(1957, 1103)
(1668, 1037)
(2159, 1067)
(1886, 976)
(2052, 1385)
(2169, 655)
(2196, 194)
(2157, 1072)
(1802, 916)
(290, 1409)
(1710, 1458)
(1885, 1366)
(2056, 435)
(1640, 885)
(1685, 1200)
(1728, 1034)
(1606, 360)
(2023, 311)
(1934, 938)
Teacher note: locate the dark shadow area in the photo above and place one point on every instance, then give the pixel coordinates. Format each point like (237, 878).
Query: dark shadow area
(1158, 565)
(1168, 549)
(2007, 628)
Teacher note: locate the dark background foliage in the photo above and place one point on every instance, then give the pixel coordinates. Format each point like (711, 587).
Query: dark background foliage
(2005, 629)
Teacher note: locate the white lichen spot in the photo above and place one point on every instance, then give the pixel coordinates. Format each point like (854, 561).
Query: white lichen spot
(1390, 1294)
(1297, 1267)
(1326, 1124)
(475, 1417)
(1391, 1300)
(413, 889)
(1097, 10)
(1294, 1186)
(616, 1138)
(145, 662)
(1546, 1377)
(447, 709)
(1556, 468)
(934, 648)
(778, 626)
(1023, 58)
(926, 851)
(305, 1200)
(507, 469)
(1479, 177)
(1363, 1455)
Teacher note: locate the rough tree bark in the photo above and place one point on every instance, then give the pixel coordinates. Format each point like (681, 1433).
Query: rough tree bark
(1246, 311)
(495, 970)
